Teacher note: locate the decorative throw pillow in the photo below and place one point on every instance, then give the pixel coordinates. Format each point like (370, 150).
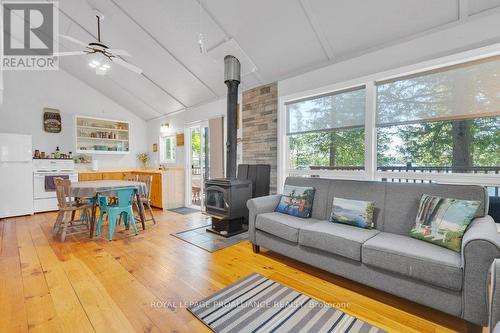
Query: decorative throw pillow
(354, 212)
(442, 221)
(296, 201)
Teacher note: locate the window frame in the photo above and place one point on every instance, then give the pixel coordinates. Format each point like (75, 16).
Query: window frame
(163, 159)
(361, 87)
(370, 82)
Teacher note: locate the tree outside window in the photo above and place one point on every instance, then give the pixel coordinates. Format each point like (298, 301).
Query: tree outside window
(443, 118)
(328, 131)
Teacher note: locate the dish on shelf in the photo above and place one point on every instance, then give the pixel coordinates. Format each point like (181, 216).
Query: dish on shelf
(100, 147)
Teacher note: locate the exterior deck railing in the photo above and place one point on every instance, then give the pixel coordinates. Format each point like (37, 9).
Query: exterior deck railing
(493, 190)
(195, 170)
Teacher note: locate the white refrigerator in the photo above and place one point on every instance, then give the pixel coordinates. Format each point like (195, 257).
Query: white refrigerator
(16, 175)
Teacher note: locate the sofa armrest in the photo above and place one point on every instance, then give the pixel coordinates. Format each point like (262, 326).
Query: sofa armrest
(494, 295)
(480, 246)
(258, 206)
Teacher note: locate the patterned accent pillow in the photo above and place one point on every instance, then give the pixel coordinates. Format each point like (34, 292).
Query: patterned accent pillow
(296, 201)
(443, 221)
(354, 212)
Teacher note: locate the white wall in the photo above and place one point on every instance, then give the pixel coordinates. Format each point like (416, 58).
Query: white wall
(477, 35)
(477, 31)
(179, 121)
(26, 93)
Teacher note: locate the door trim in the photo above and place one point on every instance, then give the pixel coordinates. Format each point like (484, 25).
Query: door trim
(188, 162)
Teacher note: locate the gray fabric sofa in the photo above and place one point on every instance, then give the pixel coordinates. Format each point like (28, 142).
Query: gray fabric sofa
(494, 296)
(386, 258)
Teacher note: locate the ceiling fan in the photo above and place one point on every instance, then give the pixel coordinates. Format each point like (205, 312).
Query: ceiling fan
(101, 55)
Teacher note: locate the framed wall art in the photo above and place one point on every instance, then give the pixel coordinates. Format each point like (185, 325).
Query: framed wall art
(52, 120)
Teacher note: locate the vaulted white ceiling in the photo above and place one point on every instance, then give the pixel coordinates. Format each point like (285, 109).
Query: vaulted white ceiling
(273, 39)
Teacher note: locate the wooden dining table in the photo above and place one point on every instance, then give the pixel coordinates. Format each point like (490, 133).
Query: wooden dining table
(92, 189)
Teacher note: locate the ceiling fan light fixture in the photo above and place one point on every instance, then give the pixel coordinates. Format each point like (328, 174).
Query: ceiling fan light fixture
(101, 55)
(101, 71)
(94, 63)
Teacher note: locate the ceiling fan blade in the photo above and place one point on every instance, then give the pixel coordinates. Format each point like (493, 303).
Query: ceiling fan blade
(74, 40)
(119, 52)
(125, 64)
(67, 54)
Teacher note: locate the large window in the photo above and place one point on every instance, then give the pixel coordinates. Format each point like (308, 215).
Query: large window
(439, 125)
(447, 119)
(327, 132)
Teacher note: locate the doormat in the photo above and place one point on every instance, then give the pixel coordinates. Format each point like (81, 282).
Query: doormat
(258, 304)
(209, 241)
(184, 210)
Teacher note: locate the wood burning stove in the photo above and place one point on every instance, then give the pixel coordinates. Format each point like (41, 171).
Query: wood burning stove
(225, 201)
(226, 198)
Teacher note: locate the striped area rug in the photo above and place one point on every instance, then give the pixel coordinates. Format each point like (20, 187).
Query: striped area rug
(258, 304)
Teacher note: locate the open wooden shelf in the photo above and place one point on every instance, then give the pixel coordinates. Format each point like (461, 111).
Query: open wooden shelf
(101, 136)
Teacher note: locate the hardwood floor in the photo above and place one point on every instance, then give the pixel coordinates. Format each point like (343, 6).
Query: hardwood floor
(142, 283)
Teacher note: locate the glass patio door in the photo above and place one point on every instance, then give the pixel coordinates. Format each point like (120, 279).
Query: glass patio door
(198, 164)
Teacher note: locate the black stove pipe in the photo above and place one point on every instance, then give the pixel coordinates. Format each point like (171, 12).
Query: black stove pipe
(232, 80)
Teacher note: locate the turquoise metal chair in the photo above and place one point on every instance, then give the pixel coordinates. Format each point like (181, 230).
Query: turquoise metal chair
(102, 201)
(123, 208)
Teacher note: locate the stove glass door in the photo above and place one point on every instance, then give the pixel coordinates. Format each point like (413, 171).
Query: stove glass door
(216, 199)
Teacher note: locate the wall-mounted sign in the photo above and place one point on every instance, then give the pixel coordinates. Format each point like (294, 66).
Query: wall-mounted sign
(179, 138)
(52, 120)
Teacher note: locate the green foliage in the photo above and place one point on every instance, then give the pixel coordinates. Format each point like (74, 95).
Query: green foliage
(468, 90)
(486, 148)
(196, 146)
(431, 144)
(329, 139)
(315, 149)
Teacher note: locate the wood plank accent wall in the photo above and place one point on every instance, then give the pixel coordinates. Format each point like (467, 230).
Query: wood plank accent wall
(260, 128)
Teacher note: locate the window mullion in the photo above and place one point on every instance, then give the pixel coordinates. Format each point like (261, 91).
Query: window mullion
(370, 131)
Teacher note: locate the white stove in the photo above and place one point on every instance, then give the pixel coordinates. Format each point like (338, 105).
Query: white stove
(45, 170)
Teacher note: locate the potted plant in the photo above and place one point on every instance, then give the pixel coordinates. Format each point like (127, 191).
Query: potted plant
(144, 159)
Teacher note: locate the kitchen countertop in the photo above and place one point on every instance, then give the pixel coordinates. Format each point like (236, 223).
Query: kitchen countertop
(128, 170)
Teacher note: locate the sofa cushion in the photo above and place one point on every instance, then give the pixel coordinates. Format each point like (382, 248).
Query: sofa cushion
(321, 188)
(340, 239)
(282, 225)
(360, 190)
(414, 258)
(402, 201)
(442, 221)
(357, 213)
(296, 201)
